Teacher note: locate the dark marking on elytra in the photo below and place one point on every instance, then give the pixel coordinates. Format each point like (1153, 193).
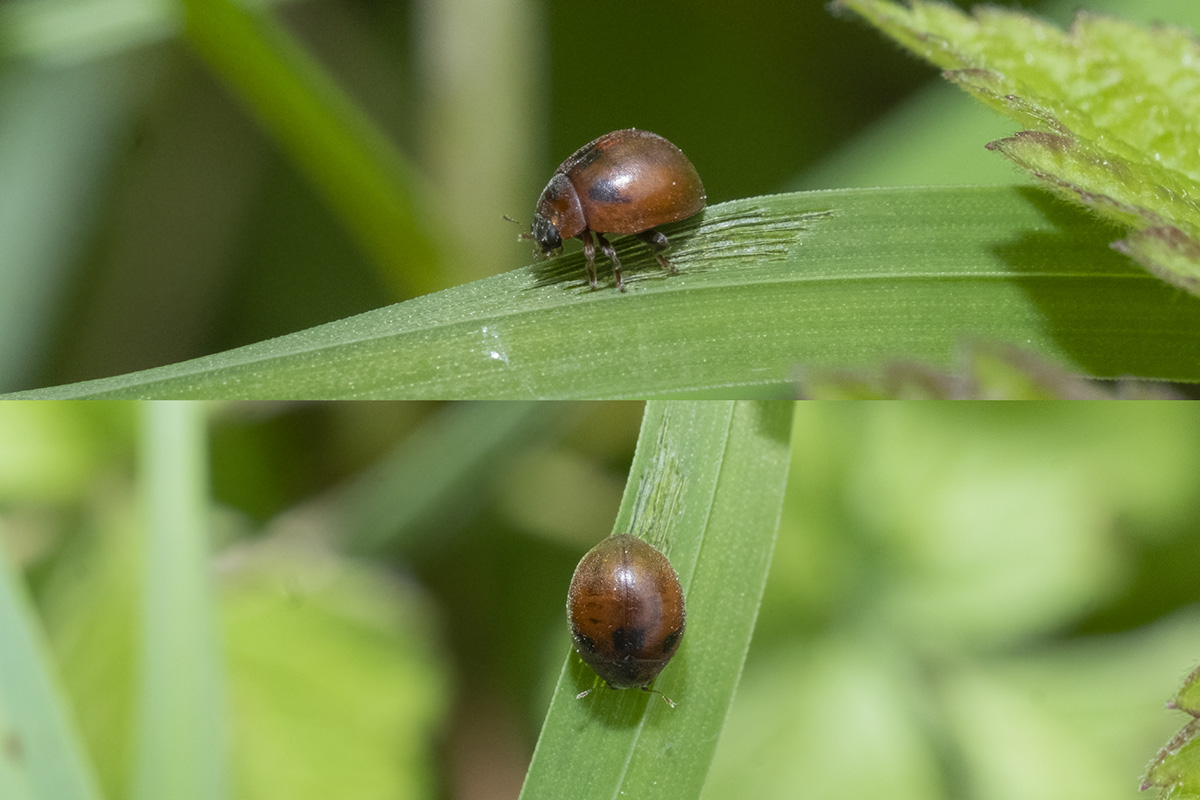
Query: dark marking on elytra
(670, 642)
(607, 192)
(628, 640)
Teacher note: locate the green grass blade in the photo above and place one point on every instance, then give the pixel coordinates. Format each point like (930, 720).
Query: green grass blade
(707, 483)
(181, 750)
(41, 753)
(844, 279)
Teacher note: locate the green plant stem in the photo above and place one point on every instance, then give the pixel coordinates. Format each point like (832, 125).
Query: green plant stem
(182, 748)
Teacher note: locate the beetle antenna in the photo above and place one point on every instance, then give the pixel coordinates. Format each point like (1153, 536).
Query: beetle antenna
(524, 237)
(666, 699)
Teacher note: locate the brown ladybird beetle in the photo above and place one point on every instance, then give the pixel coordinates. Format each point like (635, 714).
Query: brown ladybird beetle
(627, 181)
(625, 608)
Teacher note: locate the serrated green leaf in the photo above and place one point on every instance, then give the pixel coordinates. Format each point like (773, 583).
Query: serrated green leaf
(1112, 109)
(850, 278)
(1167, 252)
(725, 467)
(1188, 698)
(1176, 768)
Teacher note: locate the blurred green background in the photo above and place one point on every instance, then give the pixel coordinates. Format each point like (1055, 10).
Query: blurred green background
(981, 602)
(183, 177)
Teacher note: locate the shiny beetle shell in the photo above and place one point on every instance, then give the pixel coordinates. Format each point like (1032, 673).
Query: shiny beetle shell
(625, 182)
(625, 608)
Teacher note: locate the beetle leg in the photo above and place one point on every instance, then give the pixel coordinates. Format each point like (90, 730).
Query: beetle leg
(589, 252)
(607, 249)
(658, 243)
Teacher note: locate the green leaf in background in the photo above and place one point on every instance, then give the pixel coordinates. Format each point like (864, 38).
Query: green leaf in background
(41, 757)
(1111, 109)
(923, 633)
(846, 278)
(725, 466)
(91, 605)
(336, 689)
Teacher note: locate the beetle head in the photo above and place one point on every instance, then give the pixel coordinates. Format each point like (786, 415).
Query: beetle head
(546, 235)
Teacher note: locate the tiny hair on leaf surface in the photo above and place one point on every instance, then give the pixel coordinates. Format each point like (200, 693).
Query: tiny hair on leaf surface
(1112, 111)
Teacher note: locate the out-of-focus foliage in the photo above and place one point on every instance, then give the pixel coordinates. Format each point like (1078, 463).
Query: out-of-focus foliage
(334, 671)
(993, 601)
(972, 601)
